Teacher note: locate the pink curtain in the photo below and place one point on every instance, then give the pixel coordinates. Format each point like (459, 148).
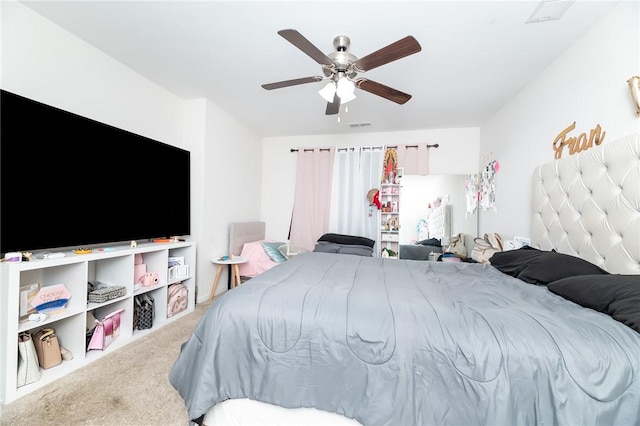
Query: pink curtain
(312, 201)
(414, 159)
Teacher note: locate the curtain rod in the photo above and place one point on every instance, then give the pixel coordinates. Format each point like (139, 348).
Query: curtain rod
(310, 149)
(374, 147)
(364, 148)
(414, 146)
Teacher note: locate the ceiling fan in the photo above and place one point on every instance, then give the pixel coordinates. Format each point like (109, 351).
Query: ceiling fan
(341, 68)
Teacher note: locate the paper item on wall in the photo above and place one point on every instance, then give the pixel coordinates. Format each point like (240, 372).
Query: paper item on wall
(471, 188)
(488, 186)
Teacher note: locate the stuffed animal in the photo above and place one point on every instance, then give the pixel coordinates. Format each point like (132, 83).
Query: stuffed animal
(393, 224)
(374, 198)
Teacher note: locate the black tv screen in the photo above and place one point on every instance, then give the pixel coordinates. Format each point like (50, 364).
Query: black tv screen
(67, 181)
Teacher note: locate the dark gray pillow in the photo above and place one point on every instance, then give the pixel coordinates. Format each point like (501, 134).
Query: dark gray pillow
(430, 242)
(615, 295)
(416, 251)
(329, 247)
(541, 267)
(347, 240)
(355, 249)
(326, 247)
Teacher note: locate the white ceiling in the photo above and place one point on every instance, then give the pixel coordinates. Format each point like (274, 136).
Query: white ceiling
(476, 55)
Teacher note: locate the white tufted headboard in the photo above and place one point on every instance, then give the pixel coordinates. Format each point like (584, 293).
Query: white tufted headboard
(439, 221)
(588, 205)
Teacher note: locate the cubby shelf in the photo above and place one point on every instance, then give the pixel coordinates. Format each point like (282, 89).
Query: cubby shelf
(113, 267)
(389, 214)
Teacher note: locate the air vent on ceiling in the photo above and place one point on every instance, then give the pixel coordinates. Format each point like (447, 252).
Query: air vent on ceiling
(549, 10)
(359, 124)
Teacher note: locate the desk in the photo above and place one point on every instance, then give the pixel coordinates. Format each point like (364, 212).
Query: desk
(235, 272)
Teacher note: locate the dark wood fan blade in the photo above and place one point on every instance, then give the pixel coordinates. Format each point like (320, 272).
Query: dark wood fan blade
(294, 82)
(298, 40)
(401, 48)
(383, 91)
(333, 107)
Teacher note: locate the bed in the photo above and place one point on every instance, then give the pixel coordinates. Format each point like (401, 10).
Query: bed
(327, 338)
(247, 239)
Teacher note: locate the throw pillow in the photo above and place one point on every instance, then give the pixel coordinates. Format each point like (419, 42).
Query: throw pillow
(541, 267)
(615, 295)
(271, 248)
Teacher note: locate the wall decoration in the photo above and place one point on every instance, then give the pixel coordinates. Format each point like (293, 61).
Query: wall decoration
(579, 143)
(389, 166)
(487, 193)
(634, 88)
(472, 192)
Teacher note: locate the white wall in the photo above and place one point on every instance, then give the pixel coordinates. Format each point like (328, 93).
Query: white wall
(230, 188)
(587, 84)
(41, 61)
(457, 154)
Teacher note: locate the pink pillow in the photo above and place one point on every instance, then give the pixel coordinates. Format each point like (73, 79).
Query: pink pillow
(257, 259)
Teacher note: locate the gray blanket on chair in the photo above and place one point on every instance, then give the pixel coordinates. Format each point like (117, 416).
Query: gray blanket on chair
(402, 342)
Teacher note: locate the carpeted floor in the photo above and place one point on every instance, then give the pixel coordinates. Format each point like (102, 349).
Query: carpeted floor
(129, 386)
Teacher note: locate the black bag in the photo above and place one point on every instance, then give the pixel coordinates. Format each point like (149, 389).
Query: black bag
(143, 312)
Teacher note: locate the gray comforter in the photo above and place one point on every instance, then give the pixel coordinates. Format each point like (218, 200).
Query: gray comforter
(402, 342)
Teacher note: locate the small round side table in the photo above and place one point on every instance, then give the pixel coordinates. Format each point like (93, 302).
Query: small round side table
(234, 261)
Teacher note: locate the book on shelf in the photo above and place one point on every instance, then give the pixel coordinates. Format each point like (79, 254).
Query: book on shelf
(51, 299)
(27, 294)
(176, 261)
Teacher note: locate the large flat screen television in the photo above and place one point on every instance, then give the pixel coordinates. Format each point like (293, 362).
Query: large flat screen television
(67, 181)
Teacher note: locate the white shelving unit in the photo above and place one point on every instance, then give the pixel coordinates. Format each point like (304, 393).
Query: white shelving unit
(113, 266)
(390, 201)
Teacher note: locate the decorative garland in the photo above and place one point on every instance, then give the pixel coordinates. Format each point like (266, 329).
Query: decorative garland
(390, 165)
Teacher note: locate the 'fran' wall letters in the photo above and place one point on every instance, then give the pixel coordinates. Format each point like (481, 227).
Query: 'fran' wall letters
(577, 144)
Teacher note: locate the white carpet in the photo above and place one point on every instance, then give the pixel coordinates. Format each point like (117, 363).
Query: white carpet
(127, 387)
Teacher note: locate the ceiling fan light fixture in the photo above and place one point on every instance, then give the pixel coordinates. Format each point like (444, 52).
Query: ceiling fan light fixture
(346, 90)
(328, 91)
(347, 98)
